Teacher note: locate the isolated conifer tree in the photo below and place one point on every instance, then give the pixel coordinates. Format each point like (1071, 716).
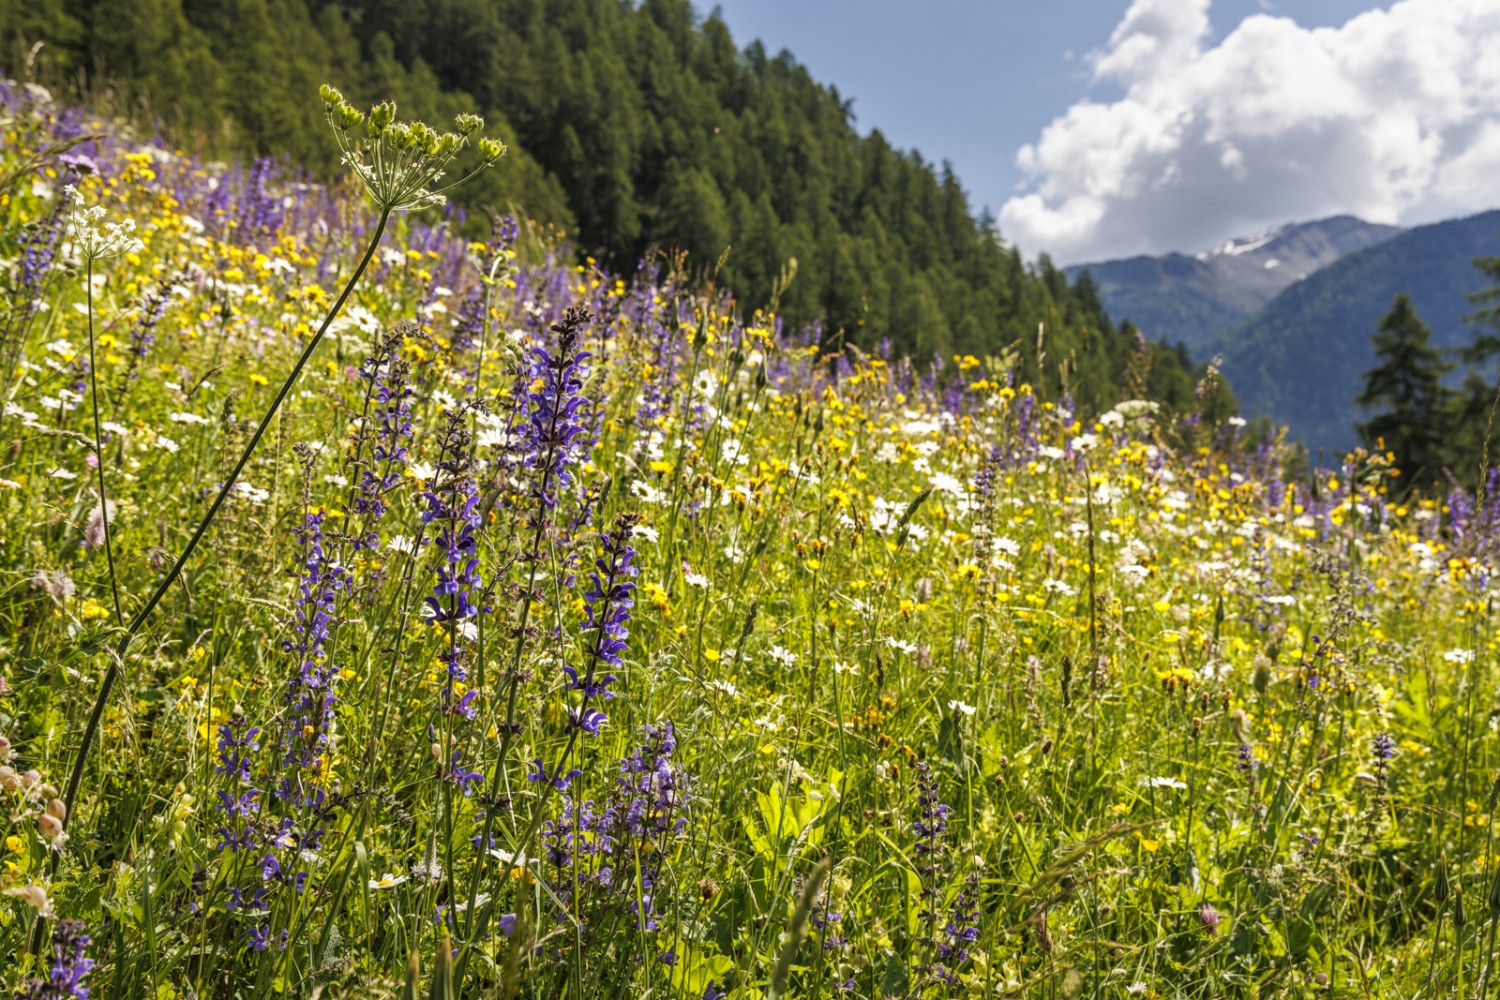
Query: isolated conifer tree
(1406, 389)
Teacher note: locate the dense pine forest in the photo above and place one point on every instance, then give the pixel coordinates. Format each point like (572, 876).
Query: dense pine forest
(633, 127)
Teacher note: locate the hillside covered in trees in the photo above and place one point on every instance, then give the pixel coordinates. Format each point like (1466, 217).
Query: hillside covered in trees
(633, 127)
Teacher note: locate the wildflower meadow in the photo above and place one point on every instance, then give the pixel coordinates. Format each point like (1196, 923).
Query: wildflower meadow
(395, 603)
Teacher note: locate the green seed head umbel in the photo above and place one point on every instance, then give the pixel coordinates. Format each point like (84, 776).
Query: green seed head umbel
(402, 165)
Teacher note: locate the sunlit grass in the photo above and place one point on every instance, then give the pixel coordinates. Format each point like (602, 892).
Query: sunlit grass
(922, 684)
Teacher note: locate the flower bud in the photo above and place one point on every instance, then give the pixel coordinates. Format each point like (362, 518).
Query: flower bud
(57, 808)
(400, 136)
(1239, 722)
(424, 138)
(5, 750)
(31, 779)
(467, 125)
(1261, 676)
(49, 826)
(491, 149)
(349, 118)
(9, 779)
(381, 115)
(330, 95)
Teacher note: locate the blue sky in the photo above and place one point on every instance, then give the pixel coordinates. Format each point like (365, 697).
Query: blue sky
(975, 82)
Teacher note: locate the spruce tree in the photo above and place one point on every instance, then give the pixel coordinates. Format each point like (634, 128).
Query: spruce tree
(1406, 389)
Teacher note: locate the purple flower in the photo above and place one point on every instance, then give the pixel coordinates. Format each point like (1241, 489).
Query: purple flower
(235, 750)
(630, 836)
(143, 333)
(243, 805)
(453, 508)
(556, 408)
(828, 922)
(460, 775)
(235, 842)
(69, 966)
(1246, 763)
(607, 605)
(259, 937)
(590, 720)
(387, 404)
(558, 781)
(931, 827)
(931, 822)
(38, 245)
(78, 164)
(310, 690)
(257, 901)
(962, 929)
(1384, 747)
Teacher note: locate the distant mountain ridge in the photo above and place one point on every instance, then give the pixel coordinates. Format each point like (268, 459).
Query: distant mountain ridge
(1301, 359)
(1194, 298)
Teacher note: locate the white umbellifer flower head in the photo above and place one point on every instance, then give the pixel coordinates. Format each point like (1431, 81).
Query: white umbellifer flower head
(401, 164)
(96, 242)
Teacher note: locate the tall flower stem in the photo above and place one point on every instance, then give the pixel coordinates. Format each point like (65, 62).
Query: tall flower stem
(139, 621)
(109, 547)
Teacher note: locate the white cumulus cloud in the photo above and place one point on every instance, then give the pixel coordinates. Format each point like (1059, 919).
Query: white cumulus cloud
(1393, 116)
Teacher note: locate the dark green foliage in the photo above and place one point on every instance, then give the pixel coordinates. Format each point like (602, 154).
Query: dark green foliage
(1471, 429)
(637, 126)
(1486, 318)
(1406, 389)
(1477, 406)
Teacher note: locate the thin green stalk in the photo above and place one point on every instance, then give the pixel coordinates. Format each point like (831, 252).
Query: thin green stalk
(109, 547)
(141, 617)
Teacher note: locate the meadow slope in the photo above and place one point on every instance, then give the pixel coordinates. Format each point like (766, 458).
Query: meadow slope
(577, 634)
